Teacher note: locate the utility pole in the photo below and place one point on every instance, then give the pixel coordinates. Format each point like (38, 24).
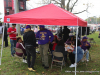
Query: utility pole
(16, 10)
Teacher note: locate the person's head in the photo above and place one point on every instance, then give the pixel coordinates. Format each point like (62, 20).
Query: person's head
(28, 27)
(60, 27)
(84, 38)
(71, 38)
(60, 43)
(35, 26)
(13, 25)
(42, 27)
(55, 38)
(19, 39)
(65, 27)
(0, 24)
(78, 43)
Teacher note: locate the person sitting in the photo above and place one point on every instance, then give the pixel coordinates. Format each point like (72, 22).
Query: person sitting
(60, 48)
(21, 46)
(54, 43)
(70, 40)
(79, 54)
(85, 46)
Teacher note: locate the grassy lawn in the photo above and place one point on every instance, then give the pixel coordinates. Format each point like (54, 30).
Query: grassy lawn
(10, 68)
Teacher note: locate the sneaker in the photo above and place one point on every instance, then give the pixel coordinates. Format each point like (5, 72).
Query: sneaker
(71, 65)
(46, 67)
(25, 61)
(87, 60)
(31, 69)
(43, 65)
(75, 64)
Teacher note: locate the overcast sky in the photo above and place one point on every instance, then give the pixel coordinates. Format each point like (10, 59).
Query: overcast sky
(93, 11)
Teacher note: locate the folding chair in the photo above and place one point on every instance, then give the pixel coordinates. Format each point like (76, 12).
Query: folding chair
(18, 50)
(92, 42)
(57, 54)
(83, 59)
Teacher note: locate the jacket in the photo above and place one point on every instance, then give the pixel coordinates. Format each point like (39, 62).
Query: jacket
(29, 38)
(44, 36)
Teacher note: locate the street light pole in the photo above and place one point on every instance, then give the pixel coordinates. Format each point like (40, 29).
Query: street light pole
(16, 10)
(7, 14)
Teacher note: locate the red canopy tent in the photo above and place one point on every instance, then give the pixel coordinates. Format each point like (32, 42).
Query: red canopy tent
(46, 15)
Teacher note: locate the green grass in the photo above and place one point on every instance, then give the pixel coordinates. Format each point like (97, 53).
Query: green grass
(10, 68)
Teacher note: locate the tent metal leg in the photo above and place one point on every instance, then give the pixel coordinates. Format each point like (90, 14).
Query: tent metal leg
(76, 49)
(2, 45)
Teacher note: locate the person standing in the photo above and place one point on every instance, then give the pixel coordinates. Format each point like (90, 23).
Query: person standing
(5, 36)
(22, 30)
(43, 41)
(35, 30)
(30, 44)
(65, 33)
(12, 34)
(59, 32)
(1, 30)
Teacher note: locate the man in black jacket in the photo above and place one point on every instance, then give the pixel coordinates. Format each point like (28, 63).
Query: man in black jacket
(30, 43)
(65, 33)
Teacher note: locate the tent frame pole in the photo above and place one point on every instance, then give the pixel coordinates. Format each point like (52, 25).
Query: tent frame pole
(81, 33)
(2, 44)
(76, 49)
(86, 31)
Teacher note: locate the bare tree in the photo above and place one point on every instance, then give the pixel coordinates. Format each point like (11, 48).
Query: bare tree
(66, 4)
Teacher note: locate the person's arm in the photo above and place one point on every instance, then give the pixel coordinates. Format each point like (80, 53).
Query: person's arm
(37, 35)
(24, 38)
(88, 45)
(34, 39)
(52, 37)
(77, 50)
(9, 32)
(22, 46)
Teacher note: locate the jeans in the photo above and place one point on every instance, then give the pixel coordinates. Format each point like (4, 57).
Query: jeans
(52, 53)
(87, 55)
(30, 52)
(13, 45)
(44, 54)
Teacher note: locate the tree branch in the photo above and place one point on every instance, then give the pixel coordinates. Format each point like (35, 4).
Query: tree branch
(73, 5)
(83, 10)
(68, 5)
(80, 12)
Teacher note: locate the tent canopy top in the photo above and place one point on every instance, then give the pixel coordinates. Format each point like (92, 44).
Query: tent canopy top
(46, 15)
